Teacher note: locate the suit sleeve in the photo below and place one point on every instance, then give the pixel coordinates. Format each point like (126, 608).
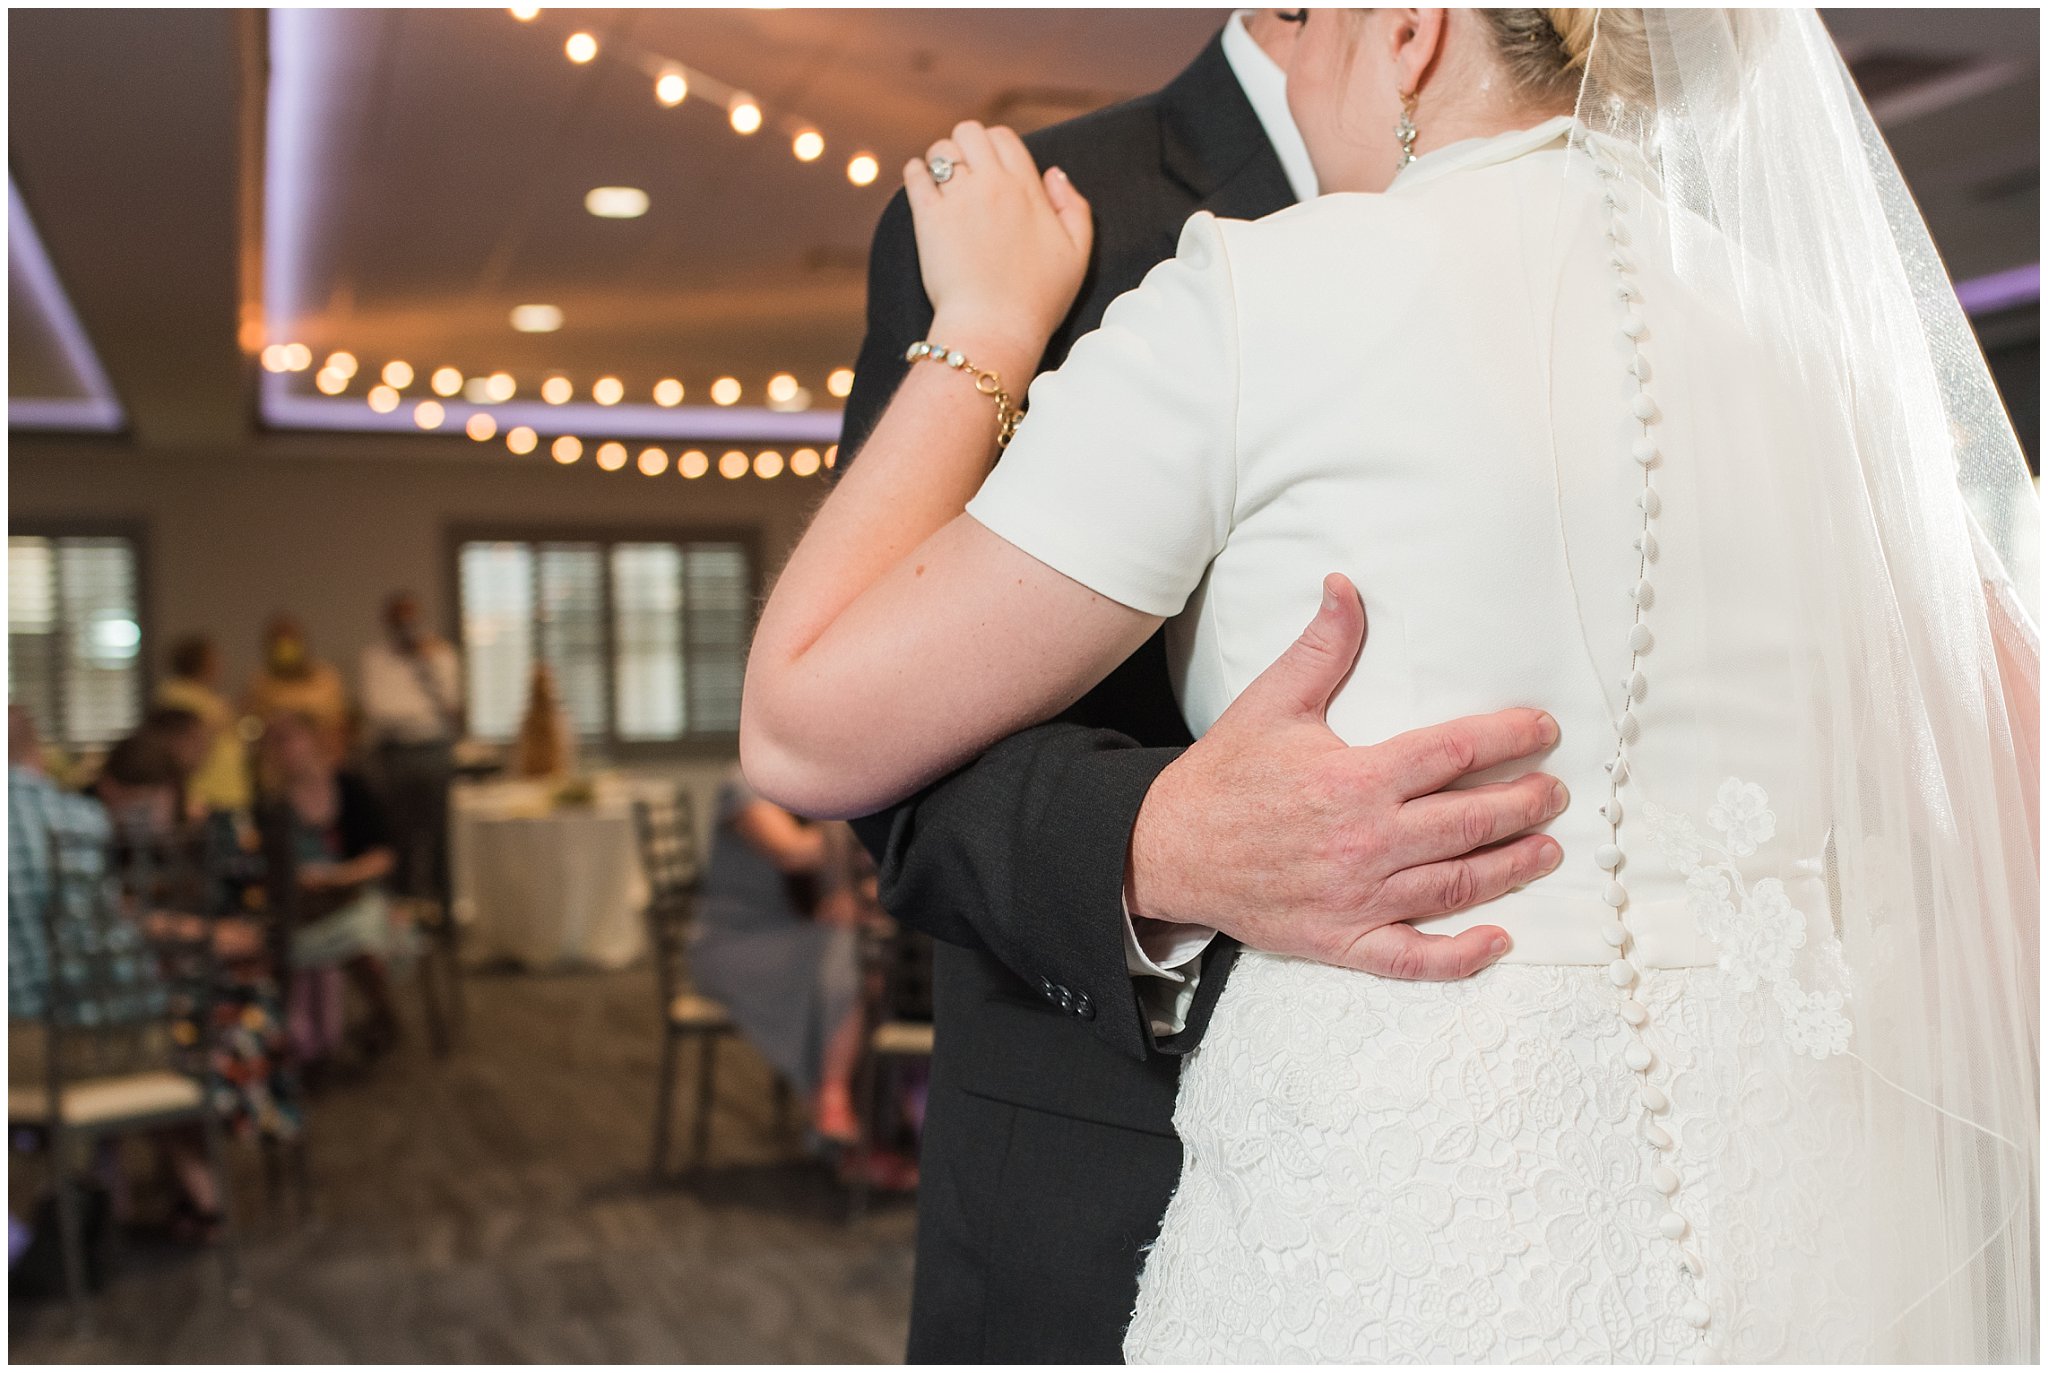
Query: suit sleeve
(1021, 853)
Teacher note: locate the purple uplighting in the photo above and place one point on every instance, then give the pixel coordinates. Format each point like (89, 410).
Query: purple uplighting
(31, 273)
(2001, 290)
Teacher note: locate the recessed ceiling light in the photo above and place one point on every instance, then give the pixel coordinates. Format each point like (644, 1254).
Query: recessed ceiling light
(536, 319)
(616, 202)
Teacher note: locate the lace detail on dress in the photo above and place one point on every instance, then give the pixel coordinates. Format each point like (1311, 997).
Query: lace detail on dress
(1756, 926)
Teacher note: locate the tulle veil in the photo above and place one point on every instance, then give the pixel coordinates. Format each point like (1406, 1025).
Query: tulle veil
(1895, 535)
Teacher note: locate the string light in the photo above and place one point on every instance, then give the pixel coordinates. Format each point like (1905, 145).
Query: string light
(522, 440)
(608, 391)
(557, 390)
(536, 319)
(272, 357)
(733, 465)
(668, 392)
(671, 88)
(383, 399)
(768, 464)
(581, 47)
(803, 462)
(398, 375)
(863, 170)
(297, 357)
(782, 387)
(693, 464)
(500, 387)
(832, 456)
(330, 382)
(725, 391)
(611, 456)
(808, 146)
(446, 381)
(840, 382)
(744, 114)
(428, 414)
(481, 427)
(344, 364)
(566, 449)
(525, 14)
(653, 462)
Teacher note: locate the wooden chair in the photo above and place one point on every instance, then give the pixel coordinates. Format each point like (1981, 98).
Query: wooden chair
(114, 1066)
(899, 1032)
(668, 853)
(440, 969)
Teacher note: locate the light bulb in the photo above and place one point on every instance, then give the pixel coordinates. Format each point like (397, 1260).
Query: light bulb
(567, 449)
(297, 357)
(536, 319)
(840, 382)
(428, 414)
(803, 462)
(344, 363)
(733, 465)
(863, 170)
(745, 114)
(446, 381)
(608, 391)
(499, 386)
(782, 387)
(273, 358)
(671, 88)
(330, 382)
(725, 391)
(383, 399)
(653, 462)
(832, 456)
(616, 202)
(809, 145)
(693, 464)
(481, 427)
(668, 391)
(398, 375)
(581, 47)
(525, 14)
(768, 464)
(611, 456)
(557, 390)
(522, 440)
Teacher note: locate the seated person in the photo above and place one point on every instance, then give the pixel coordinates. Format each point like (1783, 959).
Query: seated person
(779, 944)
(344, 854)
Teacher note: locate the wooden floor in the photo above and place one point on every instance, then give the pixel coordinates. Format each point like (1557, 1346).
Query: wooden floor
(495, 1206)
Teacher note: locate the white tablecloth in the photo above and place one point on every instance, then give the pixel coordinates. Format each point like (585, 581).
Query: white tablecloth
(547, 885)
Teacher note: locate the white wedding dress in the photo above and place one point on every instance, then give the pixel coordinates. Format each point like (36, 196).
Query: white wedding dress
(1439, 391)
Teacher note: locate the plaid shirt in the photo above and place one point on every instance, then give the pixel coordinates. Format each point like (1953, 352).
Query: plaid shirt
(36, 809)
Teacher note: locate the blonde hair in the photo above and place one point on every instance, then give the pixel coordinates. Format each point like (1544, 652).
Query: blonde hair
(1544, 52)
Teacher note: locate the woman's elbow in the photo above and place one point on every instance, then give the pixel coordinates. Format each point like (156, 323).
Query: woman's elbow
(790, 772)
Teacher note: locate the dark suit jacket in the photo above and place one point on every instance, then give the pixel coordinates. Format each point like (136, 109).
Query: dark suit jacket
(1049, 1152)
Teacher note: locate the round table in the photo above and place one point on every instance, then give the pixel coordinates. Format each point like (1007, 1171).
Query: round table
(549, 885)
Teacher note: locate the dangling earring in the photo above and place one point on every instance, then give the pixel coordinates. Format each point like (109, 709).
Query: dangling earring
(1405, 130)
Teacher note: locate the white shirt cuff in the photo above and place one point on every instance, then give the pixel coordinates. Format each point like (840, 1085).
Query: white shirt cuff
(1170, 969)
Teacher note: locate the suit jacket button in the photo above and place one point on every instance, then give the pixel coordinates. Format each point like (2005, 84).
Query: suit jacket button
(1084, 1008)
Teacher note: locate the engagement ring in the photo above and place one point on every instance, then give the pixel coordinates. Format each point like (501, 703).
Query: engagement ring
(942, 168)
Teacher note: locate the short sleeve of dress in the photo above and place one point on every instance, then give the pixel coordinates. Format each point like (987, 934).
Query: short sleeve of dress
(1123, 474)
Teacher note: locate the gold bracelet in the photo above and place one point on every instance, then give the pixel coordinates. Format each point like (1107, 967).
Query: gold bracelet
(1008, 416)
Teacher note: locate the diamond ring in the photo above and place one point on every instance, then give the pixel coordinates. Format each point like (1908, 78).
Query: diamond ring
(942, 167)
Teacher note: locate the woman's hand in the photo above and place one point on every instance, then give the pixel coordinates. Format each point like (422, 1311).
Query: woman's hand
(1002, 249)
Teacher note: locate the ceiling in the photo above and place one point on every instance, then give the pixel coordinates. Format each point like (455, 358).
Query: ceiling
(392, 182)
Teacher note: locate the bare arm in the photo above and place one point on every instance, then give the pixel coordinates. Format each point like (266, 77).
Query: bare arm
(903, 637)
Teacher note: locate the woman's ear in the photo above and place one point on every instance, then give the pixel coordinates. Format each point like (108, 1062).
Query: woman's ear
(1417, 37)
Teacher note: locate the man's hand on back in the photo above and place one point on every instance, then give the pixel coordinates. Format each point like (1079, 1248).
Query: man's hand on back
(1273, 830)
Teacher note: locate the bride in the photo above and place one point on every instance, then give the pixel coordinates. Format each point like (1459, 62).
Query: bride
(1616, 371)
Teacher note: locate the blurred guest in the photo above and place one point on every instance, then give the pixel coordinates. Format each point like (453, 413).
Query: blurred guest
(547, 745)
(292, 680)
(50, 888)
(342, 846)
(785, 963)
(411, 695)
(221, 781)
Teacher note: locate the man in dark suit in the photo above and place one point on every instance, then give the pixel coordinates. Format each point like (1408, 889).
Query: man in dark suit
(1049, 1152)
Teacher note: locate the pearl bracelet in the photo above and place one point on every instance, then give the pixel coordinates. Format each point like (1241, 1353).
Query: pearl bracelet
(1008, 416)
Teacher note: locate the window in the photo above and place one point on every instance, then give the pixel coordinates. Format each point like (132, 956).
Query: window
(74, 635)
(646, 637)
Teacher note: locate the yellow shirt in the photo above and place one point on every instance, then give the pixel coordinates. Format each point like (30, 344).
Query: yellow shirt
(222, 780)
